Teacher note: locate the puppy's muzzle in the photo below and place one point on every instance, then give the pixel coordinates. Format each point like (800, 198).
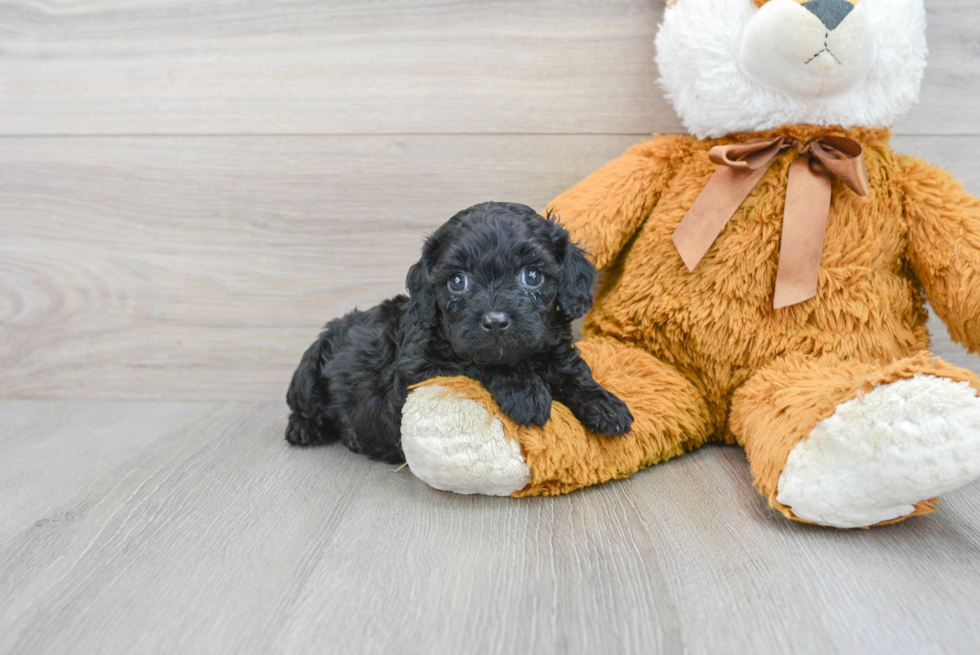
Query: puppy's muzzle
(495, 322)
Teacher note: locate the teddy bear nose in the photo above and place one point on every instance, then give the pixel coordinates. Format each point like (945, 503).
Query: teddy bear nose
(830, 12)
(495, 321)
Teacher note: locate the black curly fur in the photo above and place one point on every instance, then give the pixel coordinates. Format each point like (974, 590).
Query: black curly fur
(352, 382)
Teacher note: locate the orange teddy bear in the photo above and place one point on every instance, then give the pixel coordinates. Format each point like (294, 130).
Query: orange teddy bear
(763, 280)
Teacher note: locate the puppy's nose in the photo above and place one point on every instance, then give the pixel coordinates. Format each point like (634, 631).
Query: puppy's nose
(495, 321)
(830, 12)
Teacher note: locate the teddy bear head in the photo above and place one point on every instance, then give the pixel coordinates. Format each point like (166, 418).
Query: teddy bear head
(747, 65)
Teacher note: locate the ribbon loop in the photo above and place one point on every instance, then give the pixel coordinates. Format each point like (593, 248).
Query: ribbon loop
(845, 159)
(751, 155)
(808, 196)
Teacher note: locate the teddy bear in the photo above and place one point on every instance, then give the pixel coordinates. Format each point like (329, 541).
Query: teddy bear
(764, 281)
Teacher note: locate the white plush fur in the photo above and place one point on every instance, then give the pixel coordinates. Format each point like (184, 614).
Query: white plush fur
(453, 444)
(700, 42)
(879, 454)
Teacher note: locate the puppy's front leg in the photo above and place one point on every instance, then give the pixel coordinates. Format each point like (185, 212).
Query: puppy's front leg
(525, 398)
(597, 409)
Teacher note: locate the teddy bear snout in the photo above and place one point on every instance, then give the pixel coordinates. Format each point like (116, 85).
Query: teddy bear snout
(809, 50)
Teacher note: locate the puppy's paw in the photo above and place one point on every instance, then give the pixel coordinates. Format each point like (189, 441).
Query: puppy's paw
(603, 413)
(301, 431)
(526, 404)
(532, 410)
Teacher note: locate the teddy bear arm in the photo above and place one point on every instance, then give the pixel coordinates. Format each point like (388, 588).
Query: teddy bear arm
(944, 247)
(603, 211)
(456, 438)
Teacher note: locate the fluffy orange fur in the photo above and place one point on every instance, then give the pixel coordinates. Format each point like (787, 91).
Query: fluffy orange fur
(703, 356)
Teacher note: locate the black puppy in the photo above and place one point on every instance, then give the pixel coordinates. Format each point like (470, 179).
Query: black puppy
(492, 298)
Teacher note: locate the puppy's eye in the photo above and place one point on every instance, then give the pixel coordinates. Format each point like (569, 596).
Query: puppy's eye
(458, 283)
(532, 277)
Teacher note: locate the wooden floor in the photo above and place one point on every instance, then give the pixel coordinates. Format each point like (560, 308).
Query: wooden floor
(148, 527)
(189, 190)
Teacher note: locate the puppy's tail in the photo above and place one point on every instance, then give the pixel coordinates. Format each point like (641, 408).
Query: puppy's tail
(311, 420)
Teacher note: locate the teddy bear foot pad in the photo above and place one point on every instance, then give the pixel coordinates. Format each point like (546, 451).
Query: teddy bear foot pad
(453, 444)
(880, 454)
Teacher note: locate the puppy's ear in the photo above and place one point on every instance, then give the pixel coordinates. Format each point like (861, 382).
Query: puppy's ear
(416, 278)
(423, 298)
(578, 274)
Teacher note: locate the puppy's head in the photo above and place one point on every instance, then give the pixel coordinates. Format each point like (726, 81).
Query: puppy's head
(499, 283)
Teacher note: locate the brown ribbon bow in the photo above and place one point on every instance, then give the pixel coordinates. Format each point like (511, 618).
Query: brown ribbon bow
(740, 167)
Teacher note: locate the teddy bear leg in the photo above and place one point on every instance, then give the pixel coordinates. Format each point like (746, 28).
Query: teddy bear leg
(858, 444)
(455, 437)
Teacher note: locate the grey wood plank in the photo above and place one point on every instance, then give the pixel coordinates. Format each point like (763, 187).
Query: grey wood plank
(52, 451)
(746, 580)
(430, 572)
(186, 547)
(201, 268)
(301, 66)
(217, 537)
(947, 103)
(227, 540)
(405, 66)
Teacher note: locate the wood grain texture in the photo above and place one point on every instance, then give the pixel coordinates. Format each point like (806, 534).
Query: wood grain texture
(213, 536)
(339, 67)
(397, 66)
(751, 582)
(201, 267)
(51, 452)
